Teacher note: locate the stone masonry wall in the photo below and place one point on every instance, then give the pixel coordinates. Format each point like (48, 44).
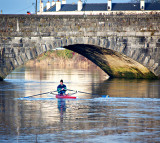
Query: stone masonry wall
(23, 37)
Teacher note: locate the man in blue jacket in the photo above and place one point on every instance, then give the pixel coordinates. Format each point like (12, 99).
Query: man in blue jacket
(61, 88)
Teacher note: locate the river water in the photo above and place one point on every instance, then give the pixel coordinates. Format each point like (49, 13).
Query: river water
(131, 113)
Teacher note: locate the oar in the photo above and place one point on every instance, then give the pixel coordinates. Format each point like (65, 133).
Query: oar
(79, 91)
(38, 94)
(104, 96)
(84, 92)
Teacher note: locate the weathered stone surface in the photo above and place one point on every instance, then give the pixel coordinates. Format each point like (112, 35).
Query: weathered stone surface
(29, 36)
(113, 63)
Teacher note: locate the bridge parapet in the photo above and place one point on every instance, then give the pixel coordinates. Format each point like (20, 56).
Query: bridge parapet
(62, 26)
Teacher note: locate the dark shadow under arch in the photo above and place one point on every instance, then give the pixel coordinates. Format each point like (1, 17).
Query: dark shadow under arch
(112, 62)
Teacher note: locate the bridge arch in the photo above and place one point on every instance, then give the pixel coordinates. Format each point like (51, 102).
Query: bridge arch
(24, 37)
(104, 52)
(113, 63)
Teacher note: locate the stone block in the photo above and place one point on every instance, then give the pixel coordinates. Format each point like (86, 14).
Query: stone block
(146, 61)
(44, 48)
(140, 34)
(155, 66)
(15, 62)
(29, 56)
(156, 33)
(151, 62)
(141, 58)
(64, 42)
(85, 40)
(69, 41)
(101, 34)
(80, 40)
(90, 34)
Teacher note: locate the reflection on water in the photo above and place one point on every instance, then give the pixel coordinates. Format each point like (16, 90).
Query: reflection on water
(90, 118)
(62, 108)
(129, 88)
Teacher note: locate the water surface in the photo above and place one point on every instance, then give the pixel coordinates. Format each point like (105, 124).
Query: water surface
(130, 114)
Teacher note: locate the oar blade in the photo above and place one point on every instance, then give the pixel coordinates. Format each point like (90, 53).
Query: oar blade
(105, 96)
(25, 97)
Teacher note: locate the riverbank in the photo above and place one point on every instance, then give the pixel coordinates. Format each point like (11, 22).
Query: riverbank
(61, 58)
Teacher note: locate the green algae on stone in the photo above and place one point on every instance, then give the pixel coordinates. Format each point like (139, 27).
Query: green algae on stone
(124, 72)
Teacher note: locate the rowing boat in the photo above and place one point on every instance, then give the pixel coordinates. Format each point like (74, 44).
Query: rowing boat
(67, 96)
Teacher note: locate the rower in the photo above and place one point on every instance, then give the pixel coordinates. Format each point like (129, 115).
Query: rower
(61, 88)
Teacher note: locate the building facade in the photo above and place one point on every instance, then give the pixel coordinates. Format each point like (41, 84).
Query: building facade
(62, 8)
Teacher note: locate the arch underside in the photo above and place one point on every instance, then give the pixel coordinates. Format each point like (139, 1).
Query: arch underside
(113, 63)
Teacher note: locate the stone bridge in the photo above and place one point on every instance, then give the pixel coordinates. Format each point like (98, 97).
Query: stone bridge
(123, 46)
